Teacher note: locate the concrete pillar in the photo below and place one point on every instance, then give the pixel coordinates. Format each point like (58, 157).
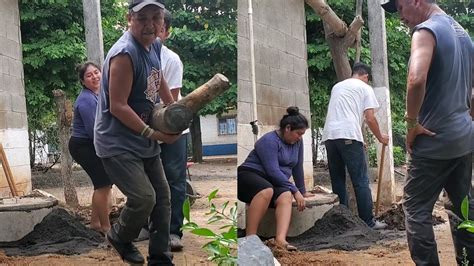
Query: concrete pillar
(378, 48)
(13, 120)
(281, 71)
(93, 29)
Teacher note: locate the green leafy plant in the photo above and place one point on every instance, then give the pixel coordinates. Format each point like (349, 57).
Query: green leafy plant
(466, 224)
(222, 245)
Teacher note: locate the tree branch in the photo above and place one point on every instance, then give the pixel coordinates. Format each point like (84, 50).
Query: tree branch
(337, 26)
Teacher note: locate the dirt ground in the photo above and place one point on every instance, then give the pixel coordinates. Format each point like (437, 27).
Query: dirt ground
(221, 174)
(212, 174)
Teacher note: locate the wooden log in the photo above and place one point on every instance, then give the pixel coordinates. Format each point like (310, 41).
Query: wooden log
(177, 117)
(64, 117)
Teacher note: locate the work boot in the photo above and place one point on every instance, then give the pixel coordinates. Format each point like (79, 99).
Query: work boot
(379, 225)
(127, 251)
(175, 243)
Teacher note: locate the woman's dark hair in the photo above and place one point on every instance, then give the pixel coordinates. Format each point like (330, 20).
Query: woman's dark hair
(81, 69)
(294, 119)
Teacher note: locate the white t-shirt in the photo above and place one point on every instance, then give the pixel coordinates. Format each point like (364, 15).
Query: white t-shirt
(172, 70)
(349, 99)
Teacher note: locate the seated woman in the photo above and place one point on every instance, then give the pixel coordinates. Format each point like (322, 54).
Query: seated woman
(263, 179)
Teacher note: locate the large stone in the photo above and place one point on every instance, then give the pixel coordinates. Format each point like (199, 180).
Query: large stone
(253, 252)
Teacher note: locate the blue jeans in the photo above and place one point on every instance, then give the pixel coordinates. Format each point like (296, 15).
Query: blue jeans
(174, 157)
(348, 153)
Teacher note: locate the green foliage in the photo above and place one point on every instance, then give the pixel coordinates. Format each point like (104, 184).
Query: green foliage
(222, 246)
(466, 224)
(204, 34)
(398, 156)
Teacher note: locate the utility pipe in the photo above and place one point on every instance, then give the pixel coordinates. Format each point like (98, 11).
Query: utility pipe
(254, 123)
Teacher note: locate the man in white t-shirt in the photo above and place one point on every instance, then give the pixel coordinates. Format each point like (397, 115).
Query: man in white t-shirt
(174, 156)
(352, 101)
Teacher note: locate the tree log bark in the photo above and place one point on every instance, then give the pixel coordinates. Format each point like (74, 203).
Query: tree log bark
(64, 118)
(177, 117)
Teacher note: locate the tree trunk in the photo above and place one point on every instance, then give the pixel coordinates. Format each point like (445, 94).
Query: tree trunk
(177, 117)
(340, 38)
(64, 113)
(359, 5)
(196, 140)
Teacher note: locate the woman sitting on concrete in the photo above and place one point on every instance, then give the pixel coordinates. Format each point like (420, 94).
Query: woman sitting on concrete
(263, 179)
(81, 145)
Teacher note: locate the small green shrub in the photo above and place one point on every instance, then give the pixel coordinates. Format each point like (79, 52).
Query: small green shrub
(466, 224)
(222, 246)
(398, 156)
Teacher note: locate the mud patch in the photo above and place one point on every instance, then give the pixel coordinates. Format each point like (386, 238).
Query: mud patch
(59, 232)
(337, 229)
(395, 218)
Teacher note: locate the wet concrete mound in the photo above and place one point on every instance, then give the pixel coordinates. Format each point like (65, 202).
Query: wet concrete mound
(59, 233)
(337, 229)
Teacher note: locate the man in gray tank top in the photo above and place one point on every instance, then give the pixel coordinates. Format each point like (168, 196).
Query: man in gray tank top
(131, 86)
(439, 126)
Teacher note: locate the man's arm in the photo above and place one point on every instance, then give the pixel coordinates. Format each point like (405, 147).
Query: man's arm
(165, 93)
(120, 87)
(372, 123)
(175, 93)
(422, 48)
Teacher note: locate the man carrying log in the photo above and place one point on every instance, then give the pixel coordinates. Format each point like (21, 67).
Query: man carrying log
(131, 86)
(173, 156)
(439, 126)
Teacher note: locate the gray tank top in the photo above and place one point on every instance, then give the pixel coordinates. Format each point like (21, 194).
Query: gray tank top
(446, 106)
(111, 137)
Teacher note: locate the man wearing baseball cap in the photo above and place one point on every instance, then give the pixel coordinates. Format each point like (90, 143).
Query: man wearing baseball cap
(132, 84)
(439, 126)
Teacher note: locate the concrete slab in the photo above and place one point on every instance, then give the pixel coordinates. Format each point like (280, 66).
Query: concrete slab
(19, 216)
(300, 221)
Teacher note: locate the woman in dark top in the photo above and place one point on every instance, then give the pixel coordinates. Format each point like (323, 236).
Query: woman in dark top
(263, 179)
(81, 145)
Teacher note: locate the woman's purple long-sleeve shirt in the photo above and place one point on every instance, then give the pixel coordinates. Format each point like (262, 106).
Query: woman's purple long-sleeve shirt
(278, 161)
(84, 115)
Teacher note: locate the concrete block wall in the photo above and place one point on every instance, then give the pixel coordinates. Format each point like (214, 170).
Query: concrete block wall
(281, 70)
(13, 120)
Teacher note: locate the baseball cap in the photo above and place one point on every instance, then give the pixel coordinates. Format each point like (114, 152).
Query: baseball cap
(390, 6)
(137, 5)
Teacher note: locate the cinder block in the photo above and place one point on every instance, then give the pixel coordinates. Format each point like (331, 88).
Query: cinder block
(243, 68)
(287, 96)
(18, 103)
(16, 120)
(243, 26)
(245, 91)
(262, 74)
(279, 78)
(5, 102)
